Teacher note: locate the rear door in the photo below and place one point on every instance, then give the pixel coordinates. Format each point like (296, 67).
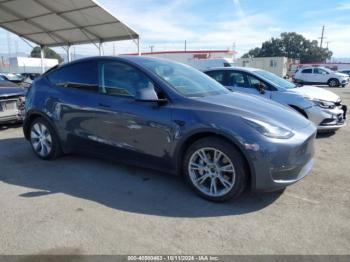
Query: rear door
(306, 75)
(72, 103)
(139, 131)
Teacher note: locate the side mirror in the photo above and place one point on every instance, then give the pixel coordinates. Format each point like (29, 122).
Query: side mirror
(148, 94)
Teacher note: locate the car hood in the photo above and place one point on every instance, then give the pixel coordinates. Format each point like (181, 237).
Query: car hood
(341, 74)
(255, 107)
(313, 92)
(11, 91)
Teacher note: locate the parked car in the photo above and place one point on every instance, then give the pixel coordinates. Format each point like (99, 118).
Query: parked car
(31, 76)
(4, 82)
(11, 102)
(12, 78)
(322, 107)
(347, 72)
(168, 116)
(320, 76)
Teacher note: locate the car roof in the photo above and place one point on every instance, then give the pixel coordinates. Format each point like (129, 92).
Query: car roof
(130, 58)
(245, 69)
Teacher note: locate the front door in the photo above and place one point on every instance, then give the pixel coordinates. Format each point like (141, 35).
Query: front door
(320, 75)
(139, 130)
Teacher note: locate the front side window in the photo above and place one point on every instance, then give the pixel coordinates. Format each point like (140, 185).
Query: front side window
(256, 83)
(320, 71)
(184, 79)
(120, 79)
(82, 76)
(236, 79)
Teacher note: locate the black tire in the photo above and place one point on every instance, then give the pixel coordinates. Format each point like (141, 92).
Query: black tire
(229, 150)
(55, 151)
(333, 82)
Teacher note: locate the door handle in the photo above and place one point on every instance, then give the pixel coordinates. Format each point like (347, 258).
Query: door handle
(104, 105)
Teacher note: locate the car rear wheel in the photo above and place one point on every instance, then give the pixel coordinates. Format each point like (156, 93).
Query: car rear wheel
(333, 82)
(43, 140)
(215, 169)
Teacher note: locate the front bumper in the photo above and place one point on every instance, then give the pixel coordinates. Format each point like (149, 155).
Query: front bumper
(328, 119)
(283, 162)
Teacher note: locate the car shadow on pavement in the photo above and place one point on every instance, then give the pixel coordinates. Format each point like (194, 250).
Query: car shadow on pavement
(10, 126)
(114, 185)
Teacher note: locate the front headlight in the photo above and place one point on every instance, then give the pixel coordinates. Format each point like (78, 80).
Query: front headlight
(324, 104)
(269, 130)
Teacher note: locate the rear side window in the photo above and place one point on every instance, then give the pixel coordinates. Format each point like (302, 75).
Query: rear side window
(217, 75)
(237, 79)
(307, 71)
(82, 76)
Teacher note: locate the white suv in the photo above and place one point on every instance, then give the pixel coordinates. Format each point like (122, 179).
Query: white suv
(320, 75)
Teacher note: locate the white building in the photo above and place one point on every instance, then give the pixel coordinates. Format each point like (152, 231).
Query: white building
(29, 64)
(200, 59)
(276, 65)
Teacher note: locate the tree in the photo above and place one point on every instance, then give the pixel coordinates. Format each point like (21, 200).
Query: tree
(48, 52)
(291, 45)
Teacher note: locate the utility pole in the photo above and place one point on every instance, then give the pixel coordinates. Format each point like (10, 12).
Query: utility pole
(185, 45)
(152, 47)
(322, 37)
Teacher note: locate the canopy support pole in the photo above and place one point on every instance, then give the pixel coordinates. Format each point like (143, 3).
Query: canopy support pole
(42, 57)
(100, 49)
(69, 56)
(138, 47)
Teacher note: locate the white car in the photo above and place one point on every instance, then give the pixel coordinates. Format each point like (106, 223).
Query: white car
(322, 107)
(320, 76)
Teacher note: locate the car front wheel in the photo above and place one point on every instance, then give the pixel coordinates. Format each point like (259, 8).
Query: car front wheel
(43, 140)
(333, 83)
(215, 169)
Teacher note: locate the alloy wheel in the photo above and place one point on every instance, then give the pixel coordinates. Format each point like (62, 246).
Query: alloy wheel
(212, 172)
(333, 83)
(41, 139)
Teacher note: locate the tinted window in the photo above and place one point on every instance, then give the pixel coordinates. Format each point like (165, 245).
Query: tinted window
(121, 80)
(236, 79)
(307, 71)
(83, 76)
(218, 76)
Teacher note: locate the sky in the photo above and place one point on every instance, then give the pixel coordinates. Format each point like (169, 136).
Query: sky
(218, 24)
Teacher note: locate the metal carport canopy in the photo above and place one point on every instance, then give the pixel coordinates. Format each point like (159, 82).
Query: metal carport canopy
(54, 23)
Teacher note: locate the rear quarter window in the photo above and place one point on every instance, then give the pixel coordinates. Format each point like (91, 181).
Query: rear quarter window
(83, 76)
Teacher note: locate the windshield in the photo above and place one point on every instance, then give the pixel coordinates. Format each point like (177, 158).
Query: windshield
(278, 81)
(185, 79)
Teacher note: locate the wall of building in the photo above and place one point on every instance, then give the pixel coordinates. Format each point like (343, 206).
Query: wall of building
(26, 65)
(276, 65)
(187, 56)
